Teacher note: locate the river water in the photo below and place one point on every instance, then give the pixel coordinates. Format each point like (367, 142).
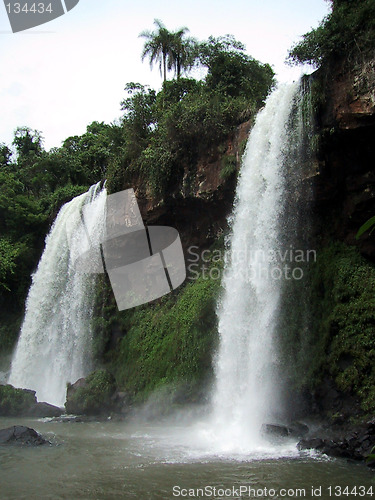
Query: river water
(116, 460)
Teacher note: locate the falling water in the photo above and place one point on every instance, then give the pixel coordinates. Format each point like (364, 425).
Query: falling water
(247, 392)
(54, 346)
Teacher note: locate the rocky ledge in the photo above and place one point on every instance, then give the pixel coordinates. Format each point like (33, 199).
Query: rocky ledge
(356, 442)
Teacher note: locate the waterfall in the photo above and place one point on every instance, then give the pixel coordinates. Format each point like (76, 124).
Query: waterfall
(54, 346)
(247, 389)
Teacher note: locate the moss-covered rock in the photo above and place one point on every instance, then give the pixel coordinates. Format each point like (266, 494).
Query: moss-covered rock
(15, 402)
(91, 396)
(168, 344)
(343, 334)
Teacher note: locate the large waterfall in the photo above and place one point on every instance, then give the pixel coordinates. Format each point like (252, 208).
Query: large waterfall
(54, 346)
(247, 392)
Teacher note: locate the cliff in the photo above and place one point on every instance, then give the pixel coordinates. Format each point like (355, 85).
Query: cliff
(345, 185)
(198, 205)
(343, 281)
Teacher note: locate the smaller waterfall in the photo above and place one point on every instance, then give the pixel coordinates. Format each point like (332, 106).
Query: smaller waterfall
(247, 363)
(54, 346)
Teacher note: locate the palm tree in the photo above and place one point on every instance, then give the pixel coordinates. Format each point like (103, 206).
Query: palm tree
(158, 46)
(183, 52)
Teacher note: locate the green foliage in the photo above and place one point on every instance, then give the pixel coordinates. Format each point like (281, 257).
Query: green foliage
(14, 402)
(5, 155)
(164, 134)
(94, 396)
(10, 324)
(365, 227)
(234, 73)
(28, 143)
(349, 31)
(171, 49)
(33, 186)
(229, 166)
(344, 312)
(84, 159)
(8, 255)
(371, 457)
(169, 342)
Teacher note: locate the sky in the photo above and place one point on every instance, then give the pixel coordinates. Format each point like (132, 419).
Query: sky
(61, 76)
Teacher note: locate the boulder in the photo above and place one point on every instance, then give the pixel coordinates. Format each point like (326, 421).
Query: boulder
(42, 410)
(20, 435)
(298, 429)
(15, 402)
(275, 430)
(91, 396)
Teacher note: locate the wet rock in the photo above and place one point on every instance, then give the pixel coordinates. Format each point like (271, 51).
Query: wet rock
(276, 430)
(356, 443)
(121, 402)
(20, 435)
(298, 429)
(311, 444)
(42, 410)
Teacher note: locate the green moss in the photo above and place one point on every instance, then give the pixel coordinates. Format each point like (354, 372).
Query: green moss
(13, 401)
(94, 396)
(327, 324)
(344, 325)
(229, 166)
(169, 342)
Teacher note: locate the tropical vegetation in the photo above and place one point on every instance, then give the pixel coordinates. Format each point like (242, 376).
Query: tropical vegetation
(347, 32)
(160, 135)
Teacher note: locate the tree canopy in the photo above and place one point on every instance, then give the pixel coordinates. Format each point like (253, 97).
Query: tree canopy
(348, 31)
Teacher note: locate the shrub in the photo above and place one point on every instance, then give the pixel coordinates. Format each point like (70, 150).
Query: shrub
(14, 402)
(349, 31)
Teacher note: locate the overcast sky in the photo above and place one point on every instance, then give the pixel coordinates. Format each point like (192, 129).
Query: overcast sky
(61, 76)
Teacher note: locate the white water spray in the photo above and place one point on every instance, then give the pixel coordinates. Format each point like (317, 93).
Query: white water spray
(246, 393)
(54, 346)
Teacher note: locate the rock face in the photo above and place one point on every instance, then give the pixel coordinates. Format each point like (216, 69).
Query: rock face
(198, 207)
(42, 410)
(345, 182)
(20, 435)
(295, 430)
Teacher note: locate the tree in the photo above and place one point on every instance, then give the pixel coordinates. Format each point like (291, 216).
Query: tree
(5, 154)
(158, 46)
(232, 72)
(183, 52)
(348, 32)
(27, 142)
